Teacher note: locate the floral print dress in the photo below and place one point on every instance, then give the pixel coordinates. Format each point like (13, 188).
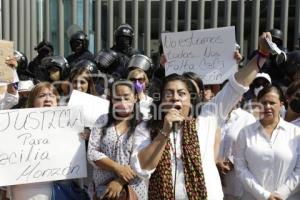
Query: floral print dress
(118, 148)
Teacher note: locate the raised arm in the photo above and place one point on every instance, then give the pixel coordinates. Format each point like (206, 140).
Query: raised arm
(238, 84)
(247, 74)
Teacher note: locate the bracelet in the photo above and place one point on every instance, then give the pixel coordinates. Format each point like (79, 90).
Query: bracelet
(264, 55)
(163, 133)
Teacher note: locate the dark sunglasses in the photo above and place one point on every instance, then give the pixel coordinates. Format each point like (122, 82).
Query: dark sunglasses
(137, 79)
(258, 84)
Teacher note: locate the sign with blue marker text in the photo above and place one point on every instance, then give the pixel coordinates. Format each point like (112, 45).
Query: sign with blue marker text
(208, 52)
(41, 144)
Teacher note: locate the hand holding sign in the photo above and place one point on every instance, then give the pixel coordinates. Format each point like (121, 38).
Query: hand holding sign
(6, 50)
(11, 62)
(209, 53)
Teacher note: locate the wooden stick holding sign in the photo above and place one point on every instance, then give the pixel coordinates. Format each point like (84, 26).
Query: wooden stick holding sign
(208, 53)
(6, 50)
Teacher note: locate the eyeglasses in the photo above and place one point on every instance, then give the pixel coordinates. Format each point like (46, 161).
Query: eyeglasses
(44, 95)
(137, 79)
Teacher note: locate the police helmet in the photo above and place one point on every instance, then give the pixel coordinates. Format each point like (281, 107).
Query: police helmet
(81, 36)
(124, 30)
(89, 65)
(21, 59)
(56, 62)
(140, 61)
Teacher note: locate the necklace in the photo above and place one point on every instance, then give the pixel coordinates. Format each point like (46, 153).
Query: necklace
(118, 141)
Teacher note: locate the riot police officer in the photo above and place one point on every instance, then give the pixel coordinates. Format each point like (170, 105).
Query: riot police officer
(44, 49)
(114, 61)
(57, 68)
(79, 44)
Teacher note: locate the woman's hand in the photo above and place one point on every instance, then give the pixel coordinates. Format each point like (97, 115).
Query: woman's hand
(11, 62)
(163, 60)
(275, 196)
(125, 172)
(262, 43)
(114, 189)
(173, 115)
(238, 57)
(85, 135)
(224, 167)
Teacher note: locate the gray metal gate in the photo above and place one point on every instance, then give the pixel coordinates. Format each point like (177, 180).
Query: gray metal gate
(27, 22)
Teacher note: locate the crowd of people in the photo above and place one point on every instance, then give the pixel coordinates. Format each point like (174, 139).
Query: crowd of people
(171, 137)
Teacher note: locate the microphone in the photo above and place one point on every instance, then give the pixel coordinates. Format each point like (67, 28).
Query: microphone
(175, 126)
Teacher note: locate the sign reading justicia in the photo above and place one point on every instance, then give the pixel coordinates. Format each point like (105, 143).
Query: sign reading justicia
(41, 144)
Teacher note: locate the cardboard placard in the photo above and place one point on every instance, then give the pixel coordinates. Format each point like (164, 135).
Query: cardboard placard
(207, 52)
(41, 144)
(93, 106)
(6, 50)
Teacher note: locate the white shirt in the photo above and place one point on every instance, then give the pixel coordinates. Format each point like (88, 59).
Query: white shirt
(230, 129)
(8, 100)
(266, 165)
(145, 106)
(211, 115)
(296, 122)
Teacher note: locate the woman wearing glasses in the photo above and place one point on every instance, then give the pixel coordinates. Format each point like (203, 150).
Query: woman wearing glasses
(141, 81)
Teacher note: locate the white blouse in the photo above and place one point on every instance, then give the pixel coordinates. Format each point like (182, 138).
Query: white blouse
(7, 100)
(230, 129)
(207, 122)
(266, 165)
(145, 106)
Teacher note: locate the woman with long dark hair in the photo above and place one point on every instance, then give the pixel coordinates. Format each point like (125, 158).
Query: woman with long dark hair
(110, 147)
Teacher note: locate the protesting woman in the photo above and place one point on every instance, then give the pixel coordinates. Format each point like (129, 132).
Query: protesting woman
(42, 95)
(177, 150)
(110, 147)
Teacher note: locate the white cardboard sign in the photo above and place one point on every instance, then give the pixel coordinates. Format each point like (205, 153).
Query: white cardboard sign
(207, 52)
(93, 106)
(41, 144)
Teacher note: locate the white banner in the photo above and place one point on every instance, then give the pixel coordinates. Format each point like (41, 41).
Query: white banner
(41, 144)
(208, 52)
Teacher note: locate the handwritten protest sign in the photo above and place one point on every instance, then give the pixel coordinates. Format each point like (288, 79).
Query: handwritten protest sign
(93, 106)
(41, 144)
(6, 49)
(208, 53)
